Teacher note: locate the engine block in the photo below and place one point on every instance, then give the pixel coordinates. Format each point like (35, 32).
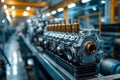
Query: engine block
(81, 52)
(72, 44)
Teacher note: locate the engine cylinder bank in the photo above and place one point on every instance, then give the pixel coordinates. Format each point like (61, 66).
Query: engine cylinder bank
(67, 40)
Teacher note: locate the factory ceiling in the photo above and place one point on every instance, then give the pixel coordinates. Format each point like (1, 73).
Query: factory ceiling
(26, 8)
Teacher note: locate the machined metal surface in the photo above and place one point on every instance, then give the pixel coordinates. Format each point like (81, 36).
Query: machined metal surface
(78, 47)
(47, 66)
(75, 50)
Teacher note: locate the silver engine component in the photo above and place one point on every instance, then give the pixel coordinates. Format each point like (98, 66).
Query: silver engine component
(82, 47)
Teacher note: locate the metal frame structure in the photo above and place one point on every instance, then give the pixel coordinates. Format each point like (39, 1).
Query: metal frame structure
(53, 70)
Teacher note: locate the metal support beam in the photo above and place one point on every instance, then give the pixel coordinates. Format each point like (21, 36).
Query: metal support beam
(25, 4)
(65, 14)
(21, 12)
(100, 24)
(114, 4)
(87, 17)
(107, 11)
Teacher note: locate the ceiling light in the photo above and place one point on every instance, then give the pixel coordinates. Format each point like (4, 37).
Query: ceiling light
(25, 13)
(5, 6)
(47, 14)
(43, 16)
(2, 1)
(103, 2)
(13, 7)
(60, 9)
(29, 21)
(94, 8)
(84, 1)
(71, 5)
(53, 12)
(28, 8)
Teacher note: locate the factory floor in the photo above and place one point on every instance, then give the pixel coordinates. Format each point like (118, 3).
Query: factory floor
(17, 70)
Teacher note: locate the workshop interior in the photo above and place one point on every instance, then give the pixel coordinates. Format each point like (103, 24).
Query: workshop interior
(59, 39)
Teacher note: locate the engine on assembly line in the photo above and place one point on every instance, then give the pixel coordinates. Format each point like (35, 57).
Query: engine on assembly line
(72, 44)
(82, 52)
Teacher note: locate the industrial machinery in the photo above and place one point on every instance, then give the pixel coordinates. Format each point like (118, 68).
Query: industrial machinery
(77, 51)
(110, 66)
(83, 53)
(111, 32)
(78, 47)
(34, 29)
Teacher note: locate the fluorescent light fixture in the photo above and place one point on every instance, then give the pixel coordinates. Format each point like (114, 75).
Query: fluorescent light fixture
(28, 8)
(58, 19)
(5, 6)
(12, 7)
(53, 12)
(94, 8)
(71, 5)
(60, 9)
(103, 1)
(2, 1)
(84, 1)
(25, 13)
(43, 16)
(47, 14)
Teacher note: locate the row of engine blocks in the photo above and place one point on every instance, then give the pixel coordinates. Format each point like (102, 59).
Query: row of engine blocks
(76, 45)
